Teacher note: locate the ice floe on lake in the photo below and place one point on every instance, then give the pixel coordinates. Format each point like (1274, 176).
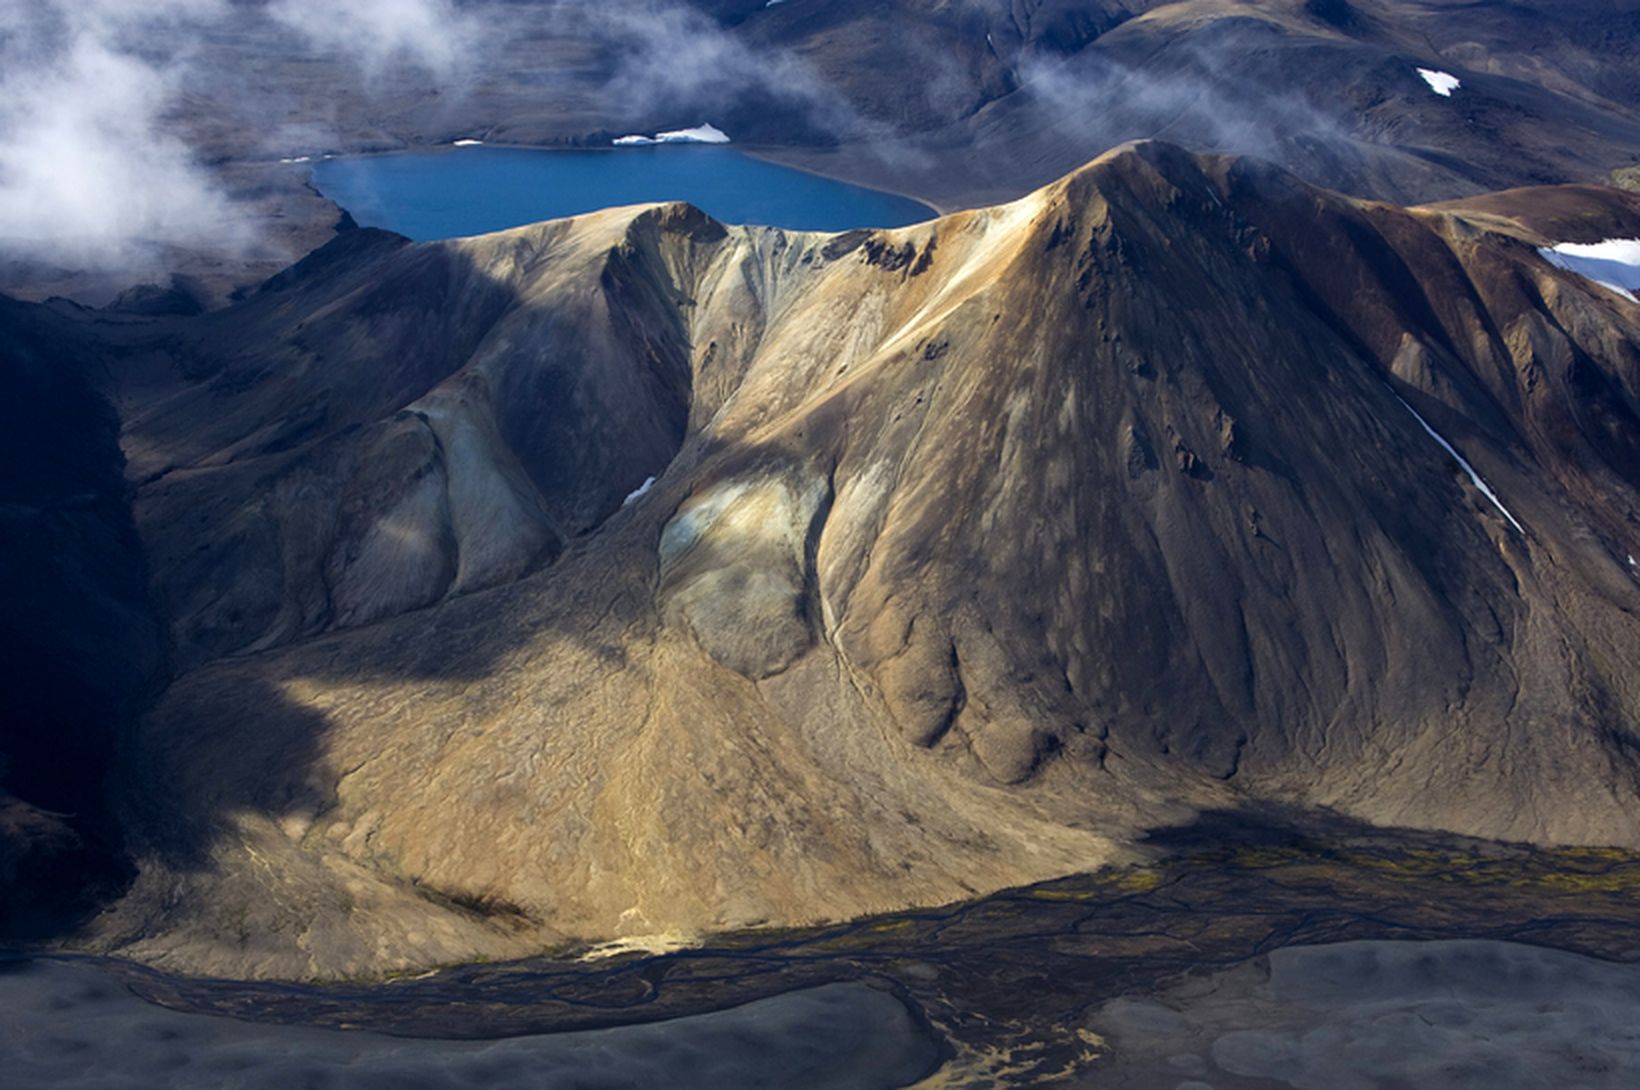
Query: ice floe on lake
(700, 134)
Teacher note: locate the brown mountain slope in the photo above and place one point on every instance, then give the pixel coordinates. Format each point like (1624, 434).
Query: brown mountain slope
(977, 548)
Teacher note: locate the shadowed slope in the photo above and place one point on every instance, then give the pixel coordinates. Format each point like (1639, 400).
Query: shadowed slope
(80, 647)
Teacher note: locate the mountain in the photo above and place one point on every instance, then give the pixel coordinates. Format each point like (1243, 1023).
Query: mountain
(973, 551)
(1330, 89)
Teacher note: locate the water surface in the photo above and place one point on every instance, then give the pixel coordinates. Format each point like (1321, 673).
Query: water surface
(470, 191)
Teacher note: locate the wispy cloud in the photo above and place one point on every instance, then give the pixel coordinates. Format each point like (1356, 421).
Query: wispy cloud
(89, 171)
(1199, 96)
(95, 172)
(435, 35)
(670, 53)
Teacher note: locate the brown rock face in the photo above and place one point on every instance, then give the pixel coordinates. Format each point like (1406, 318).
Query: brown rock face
(961, 570)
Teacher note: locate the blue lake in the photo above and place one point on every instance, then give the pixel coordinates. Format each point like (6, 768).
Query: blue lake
(470, 191)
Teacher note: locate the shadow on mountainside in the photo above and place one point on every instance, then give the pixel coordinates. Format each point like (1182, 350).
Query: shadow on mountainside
(291, 452)
(80, 647)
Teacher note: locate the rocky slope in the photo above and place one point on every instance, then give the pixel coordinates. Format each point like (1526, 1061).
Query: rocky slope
(975, 549)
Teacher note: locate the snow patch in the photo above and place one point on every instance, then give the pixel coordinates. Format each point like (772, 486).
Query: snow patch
(638, 493)
(298, 159)
(700, 134)
(468, 143)
(1442, 83)
(1613, 264)
(1474, 477)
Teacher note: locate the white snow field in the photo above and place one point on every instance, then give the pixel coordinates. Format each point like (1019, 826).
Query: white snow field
(1613, 264)
(1442, 83)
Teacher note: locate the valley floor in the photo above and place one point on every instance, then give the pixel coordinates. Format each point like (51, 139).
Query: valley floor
(1245, 954)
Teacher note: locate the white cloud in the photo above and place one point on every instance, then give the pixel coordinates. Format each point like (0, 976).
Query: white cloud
(669, 55)
(95, 175)
(1207, 100)
(380, 34)
(96, 169)
(89, 175)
